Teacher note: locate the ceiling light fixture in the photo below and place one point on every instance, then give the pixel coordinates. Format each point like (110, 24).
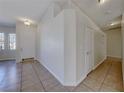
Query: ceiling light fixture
(101, 1)
(112, 24)
(27, 22)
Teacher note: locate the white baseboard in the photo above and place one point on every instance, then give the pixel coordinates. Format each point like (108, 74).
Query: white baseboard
(7, 59)
(114, 56)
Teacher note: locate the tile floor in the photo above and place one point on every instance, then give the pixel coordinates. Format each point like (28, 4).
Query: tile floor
(31, 76)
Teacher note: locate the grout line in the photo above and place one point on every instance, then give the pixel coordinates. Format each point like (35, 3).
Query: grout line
(105, 76)
(38, 77)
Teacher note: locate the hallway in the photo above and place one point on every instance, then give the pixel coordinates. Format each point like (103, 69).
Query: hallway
(33, 77)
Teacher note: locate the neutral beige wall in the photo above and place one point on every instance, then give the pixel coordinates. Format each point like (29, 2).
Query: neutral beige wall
(114, 43)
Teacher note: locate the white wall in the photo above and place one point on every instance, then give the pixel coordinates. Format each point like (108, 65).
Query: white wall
(52, 46)
(80, 43)
(82, 22)
(100, 47)
(114, 43)
(57, 46)
(25, 41)
(60, 43)
(70, 56)
(52, 11)
(7, 53)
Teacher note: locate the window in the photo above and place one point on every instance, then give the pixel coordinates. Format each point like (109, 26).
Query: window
(12, 41)
(2, 41)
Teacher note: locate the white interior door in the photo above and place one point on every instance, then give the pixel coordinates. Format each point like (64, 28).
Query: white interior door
(27, 43)
(88, 50)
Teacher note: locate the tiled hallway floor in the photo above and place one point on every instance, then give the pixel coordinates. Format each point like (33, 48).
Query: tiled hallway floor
(33, 77)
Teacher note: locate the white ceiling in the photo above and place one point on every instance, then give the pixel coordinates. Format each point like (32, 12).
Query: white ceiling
(102, 15)
(10, 10)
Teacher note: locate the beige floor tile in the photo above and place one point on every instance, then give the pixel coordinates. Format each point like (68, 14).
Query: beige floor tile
(41, 72)
(113, 82)
(114, 74)
(83, 88)
(98, 77)
(27, 85)
(32, 87)
(92, 83)
(50, 83)
(45, 76)
(113, 78)
(106, 88)
(117, 85)
(40, 67)
(70, 88)
(58, 88)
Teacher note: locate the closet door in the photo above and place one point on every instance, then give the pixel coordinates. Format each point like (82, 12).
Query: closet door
(88, 50)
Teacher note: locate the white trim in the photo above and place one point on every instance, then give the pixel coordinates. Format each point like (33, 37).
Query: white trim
(7, 59)
(114, 56)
